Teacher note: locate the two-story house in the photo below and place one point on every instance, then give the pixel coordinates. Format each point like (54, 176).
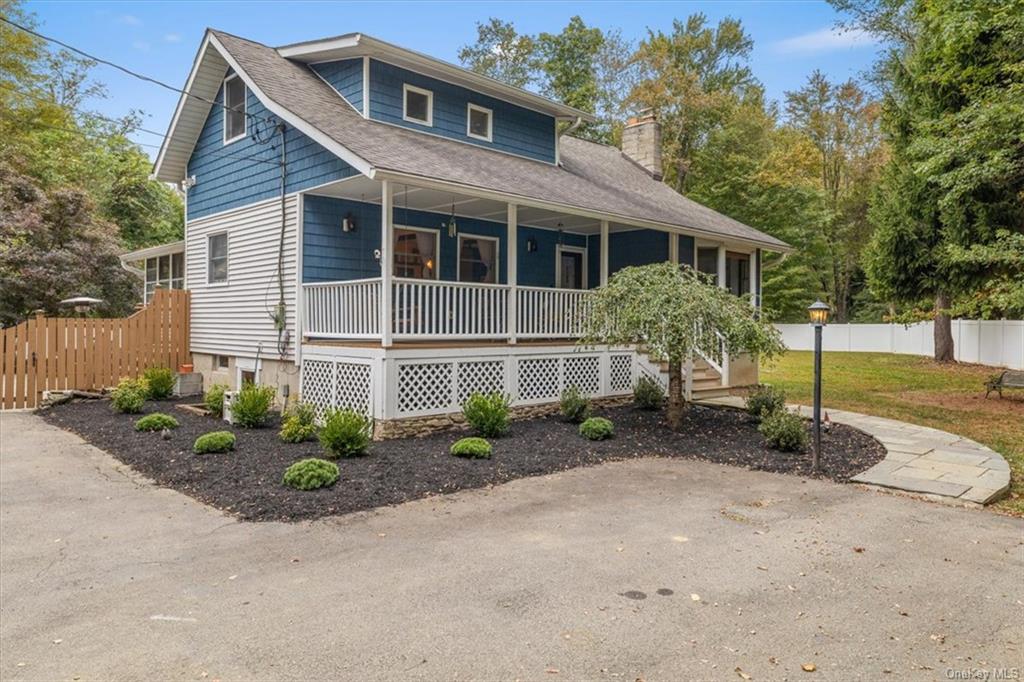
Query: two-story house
(375, 228)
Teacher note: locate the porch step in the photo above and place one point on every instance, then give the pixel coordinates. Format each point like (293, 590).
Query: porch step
(710, 392)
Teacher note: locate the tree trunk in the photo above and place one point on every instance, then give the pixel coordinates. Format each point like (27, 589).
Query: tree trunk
(676, 401)
(943, 329)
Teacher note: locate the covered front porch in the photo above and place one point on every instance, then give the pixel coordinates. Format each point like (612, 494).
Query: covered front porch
(396, 261)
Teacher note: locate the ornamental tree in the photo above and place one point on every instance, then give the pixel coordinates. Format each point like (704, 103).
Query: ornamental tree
(674, 313)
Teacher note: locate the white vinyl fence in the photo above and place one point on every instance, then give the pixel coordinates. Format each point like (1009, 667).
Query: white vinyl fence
(997, 343)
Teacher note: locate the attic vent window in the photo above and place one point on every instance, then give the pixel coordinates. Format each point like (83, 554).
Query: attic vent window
(234, 114)
(478, 122)
(419, 105)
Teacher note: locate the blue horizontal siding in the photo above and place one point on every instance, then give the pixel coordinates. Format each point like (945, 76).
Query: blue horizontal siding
(515, 129)
(244, 172)
(345, 76)
(328, 254)
(687, 250)
(636, 247)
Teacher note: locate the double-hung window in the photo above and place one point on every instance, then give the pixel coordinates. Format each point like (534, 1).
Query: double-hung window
(478, 122)
(417, 105)
(416, 253)
(478, 259)
(234, 109)
(217, 258)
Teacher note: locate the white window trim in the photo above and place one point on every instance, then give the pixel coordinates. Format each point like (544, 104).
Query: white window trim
(437, 247)
(406, 88)
(227, 256)
(497, 255)
(558, 263)
(247, 365)
(470, 108)
(245, 106)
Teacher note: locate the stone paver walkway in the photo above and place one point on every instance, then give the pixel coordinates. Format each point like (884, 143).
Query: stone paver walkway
(922, 460)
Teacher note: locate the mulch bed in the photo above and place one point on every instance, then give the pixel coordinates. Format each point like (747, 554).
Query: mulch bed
(247, 482)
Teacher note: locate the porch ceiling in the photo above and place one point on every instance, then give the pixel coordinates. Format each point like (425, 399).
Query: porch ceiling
(362, 188)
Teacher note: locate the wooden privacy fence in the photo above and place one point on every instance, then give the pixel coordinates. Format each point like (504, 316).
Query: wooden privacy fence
(62, 353)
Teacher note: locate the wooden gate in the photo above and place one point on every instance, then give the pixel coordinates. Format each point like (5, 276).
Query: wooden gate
(60, 353)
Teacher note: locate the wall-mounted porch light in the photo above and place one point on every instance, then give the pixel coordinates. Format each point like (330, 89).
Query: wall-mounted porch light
(531, 245)
(348, 223)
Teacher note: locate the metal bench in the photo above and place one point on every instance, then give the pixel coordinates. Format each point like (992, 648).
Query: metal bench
(1008, 379)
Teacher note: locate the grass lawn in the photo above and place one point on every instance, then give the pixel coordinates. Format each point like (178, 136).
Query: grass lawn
(917, 390)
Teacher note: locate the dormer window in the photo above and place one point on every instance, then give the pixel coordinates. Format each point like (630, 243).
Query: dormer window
(478, 122)
(418, 105)
(234, 111)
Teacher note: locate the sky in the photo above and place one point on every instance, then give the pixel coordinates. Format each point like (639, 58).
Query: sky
(160, 39)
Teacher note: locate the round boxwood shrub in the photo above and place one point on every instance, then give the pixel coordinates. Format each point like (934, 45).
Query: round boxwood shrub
(574, 405)
(299, 423)
(214, 441)
(160, 382)
(309, 474)
(765, 400)
(214, 400)
(472, 448)
(345, 433)
(158, 421)
(784, 431)
(597, 428)
(487, 413)
(647, 394)
(251, 406)
(129, 396)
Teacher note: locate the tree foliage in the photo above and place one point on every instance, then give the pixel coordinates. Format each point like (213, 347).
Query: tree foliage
(674, 312)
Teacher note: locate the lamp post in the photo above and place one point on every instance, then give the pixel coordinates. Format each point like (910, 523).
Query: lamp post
(818, 313)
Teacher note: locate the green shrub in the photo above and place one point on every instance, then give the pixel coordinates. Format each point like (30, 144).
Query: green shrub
(345, 433)
(487, 413)
(765, 400)
(160, 381)
(309, 474)
(214, 441)
(575, 406)
(299, 423)
(784, 431)
(473, 448)
(597, 428)
(252, 405)
(214, 400)
(129, 396)
(157, 421)
(647, 394)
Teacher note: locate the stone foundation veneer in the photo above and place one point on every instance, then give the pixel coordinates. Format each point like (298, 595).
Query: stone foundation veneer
(417, 427)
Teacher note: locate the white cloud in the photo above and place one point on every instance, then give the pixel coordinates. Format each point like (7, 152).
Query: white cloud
(172, 38)
(141, 45)
(825, 40)
(130, 20)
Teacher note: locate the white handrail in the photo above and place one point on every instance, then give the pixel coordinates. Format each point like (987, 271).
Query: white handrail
(430, 309)
(342, 310)
(551, 313)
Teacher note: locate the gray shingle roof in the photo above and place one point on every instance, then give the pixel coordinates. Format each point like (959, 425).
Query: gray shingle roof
(592, 176)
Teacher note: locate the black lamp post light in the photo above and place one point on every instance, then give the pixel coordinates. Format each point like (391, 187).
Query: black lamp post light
(818, 313)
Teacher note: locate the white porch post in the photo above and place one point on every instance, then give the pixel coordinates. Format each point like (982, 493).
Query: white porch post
(721, 267)
(753, 279)
(673, 247)
(386, 260)
(604, 252)
(511, 224)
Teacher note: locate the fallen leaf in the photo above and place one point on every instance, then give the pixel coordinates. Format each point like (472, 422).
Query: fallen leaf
(695, 597)
(551, 671)
(739, 671)
(858, 550)
(809, 667)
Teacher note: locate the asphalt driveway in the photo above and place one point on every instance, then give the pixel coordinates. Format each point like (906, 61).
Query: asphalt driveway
(654, 569)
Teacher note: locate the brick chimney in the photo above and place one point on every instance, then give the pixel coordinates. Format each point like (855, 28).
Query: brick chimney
(641, 142)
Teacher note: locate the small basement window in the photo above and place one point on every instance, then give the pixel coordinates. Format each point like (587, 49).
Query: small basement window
(223, 362)
(217, 258)
(478, 122)
(234, 113)
(418, 105)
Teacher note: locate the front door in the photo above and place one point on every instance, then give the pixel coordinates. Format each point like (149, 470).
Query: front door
(570, 269)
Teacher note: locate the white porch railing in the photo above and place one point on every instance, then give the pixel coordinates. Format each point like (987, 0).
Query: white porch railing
(342, 310)
(428, 309)
(551, 313)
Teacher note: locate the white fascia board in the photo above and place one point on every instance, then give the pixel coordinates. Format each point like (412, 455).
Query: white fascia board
(521, 200)
(153, 251)
(314, 133)
(196, 61)
(358, 45)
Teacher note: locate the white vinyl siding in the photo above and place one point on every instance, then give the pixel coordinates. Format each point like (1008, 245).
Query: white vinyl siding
(232, 318)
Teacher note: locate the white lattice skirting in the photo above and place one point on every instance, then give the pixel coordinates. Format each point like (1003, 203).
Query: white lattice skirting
(405, 383)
